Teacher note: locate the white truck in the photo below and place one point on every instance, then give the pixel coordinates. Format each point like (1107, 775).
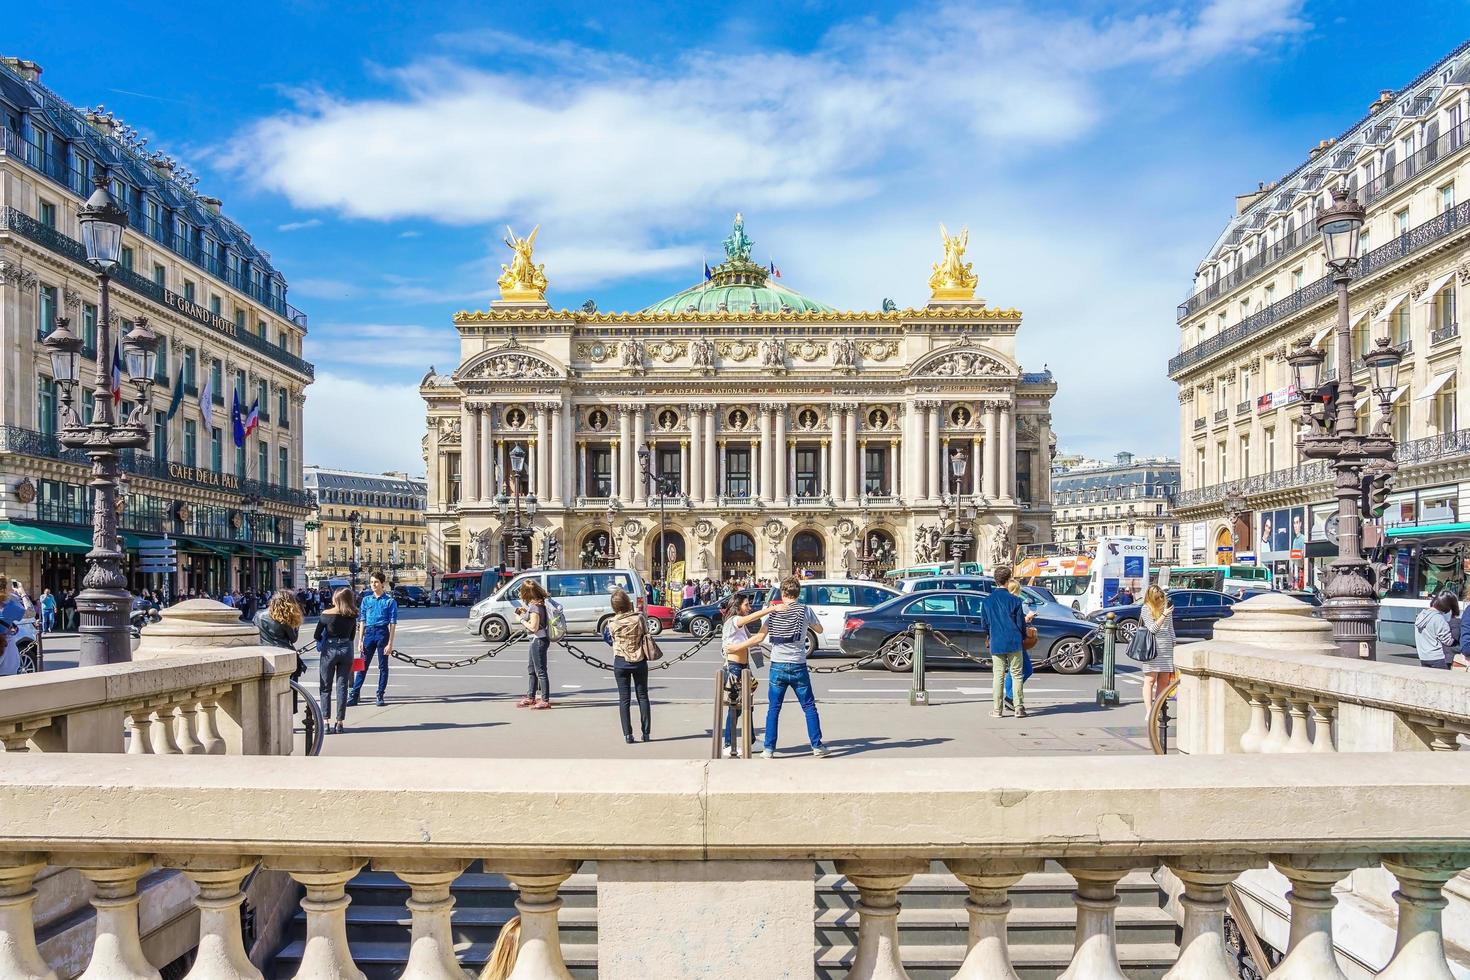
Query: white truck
(1121, 562)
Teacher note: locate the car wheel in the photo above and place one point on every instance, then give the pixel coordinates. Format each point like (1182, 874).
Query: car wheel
(701, 627)
(654, 627)
(27, 657)
(898, 654)
(494, 629)
(1069, 655)
(811, 644)
(606, 623)
(1126, 629)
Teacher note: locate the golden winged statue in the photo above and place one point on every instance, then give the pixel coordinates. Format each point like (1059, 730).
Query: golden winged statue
(953, 278)
(522, 280)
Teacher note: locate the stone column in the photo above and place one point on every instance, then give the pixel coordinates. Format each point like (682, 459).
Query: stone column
(711, 449)
(117, 952)
(935, 457)
(722, 475)
(767, 455)
(852, 482)
(782, 488)
(566, 488)
(696, 454)
(617, 471)
(539, 956)
(992, 459)
(1202, 951)
(640, 443)
(835, 468)
(431, 942)
(878, 955)
(1007, 451)
(684, 474)
(327, 956)
(469, 428)
(989, 905)
(19, 958)
(624, 450)
(558, 450)
(1309, 951)
(1095, 954)
(824, 468)
(543, 452)
(581, 488)
(1418, 951)
(972, 446)
(894, 483)
(221, 953)
(486, 463)
(916, 482)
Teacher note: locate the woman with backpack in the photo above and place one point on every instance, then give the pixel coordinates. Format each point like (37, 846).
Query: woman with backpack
(534, 618)
(628, 631)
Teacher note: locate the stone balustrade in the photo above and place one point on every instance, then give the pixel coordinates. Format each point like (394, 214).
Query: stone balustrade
(706, 868)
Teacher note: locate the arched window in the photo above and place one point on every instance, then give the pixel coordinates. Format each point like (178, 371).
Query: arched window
(737, 554)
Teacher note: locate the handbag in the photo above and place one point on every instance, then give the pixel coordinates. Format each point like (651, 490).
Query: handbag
(1143, 647)
(1030, 638)
(651, 651)
(359, 665)
(1461, 662)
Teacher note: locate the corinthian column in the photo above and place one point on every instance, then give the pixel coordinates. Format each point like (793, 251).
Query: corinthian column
(935, 457)
(543, 452)
(558, 449)
(767, 465)
(711, 473)
(835, 470)
(852, 482)
(1007, 467)
(992, 458)
(783, 479)
(623, 451)
(696, 454)
(640, 443)
(486, 461)
(469, 428)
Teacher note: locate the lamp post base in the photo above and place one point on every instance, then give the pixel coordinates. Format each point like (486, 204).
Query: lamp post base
(1350, 604)
(103, 629)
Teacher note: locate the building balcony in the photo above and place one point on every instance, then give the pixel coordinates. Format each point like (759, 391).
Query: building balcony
(1221, 416)
(14, 220)
(1199, 423)
(1243, 408)
(1413, 242)
(1441, 334)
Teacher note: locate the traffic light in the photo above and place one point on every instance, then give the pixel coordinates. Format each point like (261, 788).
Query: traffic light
(1327, 395)
(1375, 495)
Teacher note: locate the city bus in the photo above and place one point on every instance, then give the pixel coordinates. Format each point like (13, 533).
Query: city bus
(1422, 563)
(1120, 562)
(466, 588)
(938, 568)
(1064, 576)
(1220, 578)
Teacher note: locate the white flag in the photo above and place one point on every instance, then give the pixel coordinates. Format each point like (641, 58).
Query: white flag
(206, 402)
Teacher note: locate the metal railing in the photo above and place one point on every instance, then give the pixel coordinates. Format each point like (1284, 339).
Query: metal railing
(1200, 422)
(1221, 416)
(18, 221)
(1401, 172)
(1243, 408)
(1415, 239)
(1446, 332)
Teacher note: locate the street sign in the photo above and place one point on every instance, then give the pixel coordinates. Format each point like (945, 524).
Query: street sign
(150, 566)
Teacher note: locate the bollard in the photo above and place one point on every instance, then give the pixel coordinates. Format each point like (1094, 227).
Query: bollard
(716, 734)
(747, 704)
(1107, 695)
(918, 694)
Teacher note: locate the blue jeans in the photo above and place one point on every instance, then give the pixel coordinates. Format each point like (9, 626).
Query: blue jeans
(734, 677)
(374, 640)
(796, 677)
(48, 621)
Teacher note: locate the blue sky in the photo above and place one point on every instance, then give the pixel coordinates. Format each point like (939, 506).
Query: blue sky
(378, 151)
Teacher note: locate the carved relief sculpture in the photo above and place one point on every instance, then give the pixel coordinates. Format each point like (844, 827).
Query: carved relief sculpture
(844, 354)
(702, 355)
(632, 356)
(773, 355)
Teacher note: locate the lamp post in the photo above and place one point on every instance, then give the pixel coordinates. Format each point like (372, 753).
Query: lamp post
(958, 537)
(103, 602)
(518, 530)
(1363, 462)
(354, 564)
(250, 505)
(394, 540)
(1077, 541)
(664, 488)
(611, 558)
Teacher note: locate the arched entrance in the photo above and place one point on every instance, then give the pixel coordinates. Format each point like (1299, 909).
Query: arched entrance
(666, 561)
(737, 555)
(808, 554)
(1224, 546)
(596, 550)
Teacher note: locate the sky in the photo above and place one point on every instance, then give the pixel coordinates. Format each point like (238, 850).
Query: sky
(378, 152)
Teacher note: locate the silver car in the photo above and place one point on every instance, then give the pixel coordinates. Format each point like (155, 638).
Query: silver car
(582, 594)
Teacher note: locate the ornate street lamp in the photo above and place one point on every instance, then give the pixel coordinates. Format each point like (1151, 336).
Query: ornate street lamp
(1363, 462)
(959, 537)
(103, 602)
(354, 525)
(663, 487)
(1077, 541)
(394, 540)
(250, 504)
(519, 530)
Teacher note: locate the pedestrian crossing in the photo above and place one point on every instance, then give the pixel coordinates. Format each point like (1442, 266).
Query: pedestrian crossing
(430, 628)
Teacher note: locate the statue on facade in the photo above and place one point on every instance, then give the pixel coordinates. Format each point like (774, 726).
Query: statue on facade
(773, 355)
(632, 356)
(738, 244)
(1000, 547)
(926, 544)
(953, 278)
(702, 355)
(844, 353)
(522, 280)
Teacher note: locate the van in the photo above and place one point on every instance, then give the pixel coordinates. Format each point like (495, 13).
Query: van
(582, 593)
(831, 600)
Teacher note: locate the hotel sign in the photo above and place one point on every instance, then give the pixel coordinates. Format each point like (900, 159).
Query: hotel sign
(201, 477)
(196, 312)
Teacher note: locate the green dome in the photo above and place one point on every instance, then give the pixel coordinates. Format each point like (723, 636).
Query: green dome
(711, 297)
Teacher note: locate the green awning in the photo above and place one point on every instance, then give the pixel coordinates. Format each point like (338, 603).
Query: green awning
(27, 537)
(210, 547)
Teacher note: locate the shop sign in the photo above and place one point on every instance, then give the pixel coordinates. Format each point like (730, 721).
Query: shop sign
(202, 314)
(202, 477)
(1278, 398)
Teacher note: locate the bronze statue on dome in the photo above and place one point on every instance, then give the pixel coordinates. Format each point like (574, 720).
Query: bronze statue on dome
(738, 245)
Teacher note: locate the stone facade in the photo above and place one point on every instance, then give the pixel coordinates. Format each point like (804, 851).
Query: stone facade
(787, 434)
(390, 504)
(1132, 496)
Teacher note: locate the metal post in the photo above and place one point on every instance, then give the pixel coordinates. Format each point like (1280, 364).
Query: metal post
(1107, 695)
(746, 705)
(919, 695)
(716, 736)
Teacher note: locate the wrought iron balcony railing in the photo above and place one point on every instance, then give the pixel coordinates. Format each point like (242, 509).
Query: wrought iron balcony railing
(1447, 332)
(1221, 416)
(13, 219)
(1243, 408)
(1414, 240)
(1200, 422)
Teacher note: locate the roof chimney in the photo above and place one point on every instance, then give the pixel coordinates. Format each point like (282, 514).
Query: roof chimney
(163, 165)
(28, 70)
(1125, 459)
(1385, 96)
(104, 122)
(212, 203)
(1320, 149)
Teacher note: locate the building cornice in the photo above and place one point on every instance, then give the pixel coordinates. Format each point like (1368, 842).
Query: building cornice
(906, 316)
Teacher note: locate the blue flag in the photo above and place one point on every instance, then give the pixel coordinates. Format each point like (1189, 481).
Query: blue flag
(237, 423)
(177, 401)
(708, 272)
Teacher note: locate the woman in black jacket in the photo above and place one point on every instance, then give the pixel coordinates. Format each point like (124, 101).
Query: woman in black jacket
(335, 633)
(280, 622)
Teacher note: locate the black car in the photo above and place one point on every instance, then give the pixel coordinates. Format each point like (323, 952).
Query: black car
(1196, 611)
(410, 596)
(703, 620)
(1067, 645)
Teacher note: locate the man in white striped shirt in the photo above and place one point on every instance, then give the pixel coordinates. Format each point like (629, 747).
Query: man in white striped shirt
(786, 632)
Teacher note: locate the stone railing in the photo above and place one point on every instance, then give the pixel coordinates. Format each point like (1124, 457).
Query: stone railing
(705, 869)
(1269, 684)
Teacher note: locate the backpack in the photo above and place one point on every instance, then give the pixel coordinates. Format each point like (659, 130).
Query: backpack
(787, 625)
(556, 621)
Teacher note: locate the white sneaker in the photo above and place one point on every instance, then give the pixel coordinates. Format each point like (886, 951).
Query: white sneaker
(821, 751)
(767, 754)
(729, 752)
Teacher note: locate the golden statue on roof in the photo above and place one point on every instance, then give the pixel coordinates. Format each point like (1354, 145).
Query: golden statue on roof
(953, 279)
(522, 280)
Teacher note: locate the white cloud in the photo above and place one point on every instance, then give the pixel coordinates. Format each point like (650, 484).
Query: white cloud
(410, 234)
(364, 425)
(319, 288)
(400, 347)
(299, 225)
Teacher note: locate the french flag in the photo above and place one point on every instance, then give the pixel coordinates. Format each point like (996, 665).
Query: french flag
(775, 272)
(116, 376)
(252, 418)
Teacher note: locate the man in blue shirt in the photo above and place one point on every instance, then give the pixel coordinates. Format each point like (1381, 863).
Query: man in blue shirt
(377, 622)
(1005, 620)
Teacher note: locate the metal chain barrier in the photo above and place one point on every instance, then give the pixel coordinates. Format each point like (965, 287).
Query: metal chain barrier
(842, 667)
(600, 664)
(937, 637)
(455, 664)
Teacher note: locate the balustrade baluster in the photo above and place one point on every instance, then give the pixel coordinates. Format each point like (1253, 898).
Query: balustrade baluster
(19, 958)
(161, 730)
(1322, 722)
(1202, 951)
(1278, 738)
(137, 731)
(1309, 954)
(431, 943)
(208, 726)
(326, 956)
(184, 729)
(1095, 954)
(221, 952)
(1418, 951)
(1300, 740)
(16, 737)
(1444, 738)
(117, 952)
(1256, 731)
(539, 956)
(989, 905)
(878, 956)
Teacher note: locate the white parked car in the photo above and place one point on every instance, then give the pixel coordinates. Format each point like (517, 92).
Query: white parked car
(582, 593)
(833, 600)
